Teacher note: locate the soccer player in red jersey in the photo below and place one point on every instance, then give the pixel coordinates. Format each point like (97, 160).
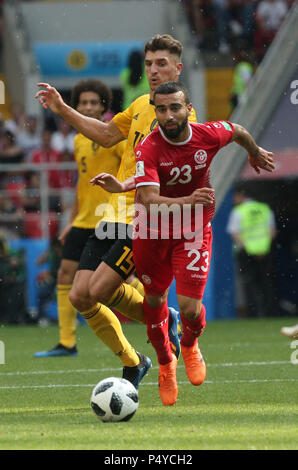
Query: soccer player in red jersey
(172, 227)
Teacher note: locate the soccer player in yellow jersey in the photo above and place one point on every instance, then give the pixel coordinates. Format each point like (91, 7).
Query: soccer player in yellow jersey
(92, 98)
(100, 275)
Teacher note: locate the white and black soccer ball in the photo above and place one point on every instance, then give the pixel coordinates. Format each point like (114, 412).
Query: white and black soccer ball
(114, 399)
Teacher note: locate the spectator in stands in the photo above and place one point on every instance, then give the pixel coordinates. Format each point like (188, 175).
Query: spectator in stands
(33, 217)
(12, 283)
(17, 122)
(63, 138)
(134, 79)
(10, 152)
(6, 206)
(218, 23)
(11, 216)
(13, 183)
(269, 16)
(47, 154)
(237, 19)
(204, 16)
(31, 194)
(67, 178)
(62, 180)
(67, 182)
(47, 279)
(29, 138)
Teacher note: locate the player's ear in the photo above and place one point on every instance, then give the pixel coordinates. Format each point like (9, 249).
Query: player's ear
(179, 68)
(189, 108)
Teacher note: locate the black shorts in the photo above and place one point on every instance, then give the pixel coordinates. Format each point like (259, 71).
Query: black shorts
(75, 243)
(115, 251)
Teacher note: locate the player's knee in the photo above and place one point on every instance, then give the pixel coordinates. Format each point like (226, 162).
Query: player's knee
(190, 313)
(64, 276)
(100, 292)
(80, 300)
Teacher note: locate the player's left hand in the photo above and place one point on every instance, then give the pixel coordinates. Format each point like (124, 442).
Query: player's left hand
(107, 182)
(262, 160)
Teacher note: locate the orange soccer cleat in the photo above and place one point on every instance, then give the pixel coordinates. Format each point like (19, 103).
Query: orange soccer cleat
(168, 388)
(195, 366)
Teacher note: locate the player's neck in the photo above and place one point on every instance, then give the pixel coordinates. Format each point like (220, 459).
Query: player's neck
(183, 136)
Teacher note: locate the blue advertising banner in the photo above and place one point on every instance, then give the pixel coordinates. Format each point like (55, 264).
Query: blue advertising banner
(84, 59)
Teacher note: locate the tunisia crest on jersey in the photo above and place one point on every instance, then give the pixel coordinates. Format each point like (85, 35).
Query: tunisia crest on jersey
(200, 158)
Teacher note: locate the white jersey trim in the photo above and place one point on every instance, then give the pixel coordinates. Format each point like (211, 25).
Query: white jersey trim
(176, 143)
(153, 183)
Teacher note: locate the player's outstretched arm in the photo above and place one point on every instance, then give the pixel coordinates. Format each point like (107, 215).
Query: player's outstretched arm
(151, 195)
(106, 134)
(111, 184)
(259, 158)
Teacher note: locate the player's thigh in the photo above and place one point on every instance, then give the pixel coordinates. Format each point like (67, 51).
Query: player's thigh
(90, 259)
(71, 253)
(75, 243)
(93, 252)
(116, 267)
(191, 265)
(152, 260)
(103, 283)
(67, 271)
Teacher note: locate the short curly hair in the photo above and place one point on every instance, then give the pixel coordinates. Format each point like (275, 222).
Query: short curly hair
(103, 91)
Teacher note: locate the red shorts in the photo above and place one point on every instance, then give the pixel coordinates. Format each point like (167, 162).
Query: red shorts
(157, 262)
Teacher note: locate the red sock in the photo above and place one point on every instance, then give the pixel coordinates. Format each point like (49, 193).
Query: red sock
(157, 329)
(193, 329)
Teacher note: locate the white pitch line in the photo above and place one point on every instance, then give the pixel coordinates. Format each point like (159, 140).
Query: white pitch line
(71, 371)
(210, 382)
(113, 369)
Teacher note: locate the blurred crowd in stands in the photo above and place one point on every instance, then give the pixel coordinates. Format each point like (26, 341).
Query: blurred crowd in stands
(223, 25)
(23, 140)
(12, 283)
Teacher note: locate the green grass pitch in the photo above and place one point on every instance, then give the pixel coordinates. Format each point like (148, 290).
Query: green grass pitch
(248, 401)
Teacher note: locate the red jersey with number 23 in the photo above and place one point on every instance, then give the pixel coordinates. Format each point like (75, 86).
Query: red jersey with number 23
(181, 168)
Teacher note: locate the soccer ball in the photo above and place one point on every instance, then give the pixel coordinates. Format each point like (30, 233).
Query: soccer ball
(114, 399)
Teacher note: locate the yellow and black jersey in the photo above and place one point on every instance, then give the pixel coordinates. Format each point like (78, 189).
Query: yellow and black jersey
(93, 159)
(137, 121)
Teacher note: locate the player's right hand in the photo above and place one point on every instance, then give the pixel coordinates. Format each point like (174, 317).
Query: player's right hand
(49, 98)
(204, 196)
(64, 233)
(262, 160)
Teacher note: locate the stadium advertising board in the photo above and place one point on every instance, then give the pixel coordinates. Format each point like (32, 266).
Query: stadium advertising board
(84, 59)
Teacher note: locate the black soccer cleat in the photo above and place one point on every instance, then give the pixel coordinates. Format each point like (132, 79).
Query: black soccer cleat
(136, 373)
